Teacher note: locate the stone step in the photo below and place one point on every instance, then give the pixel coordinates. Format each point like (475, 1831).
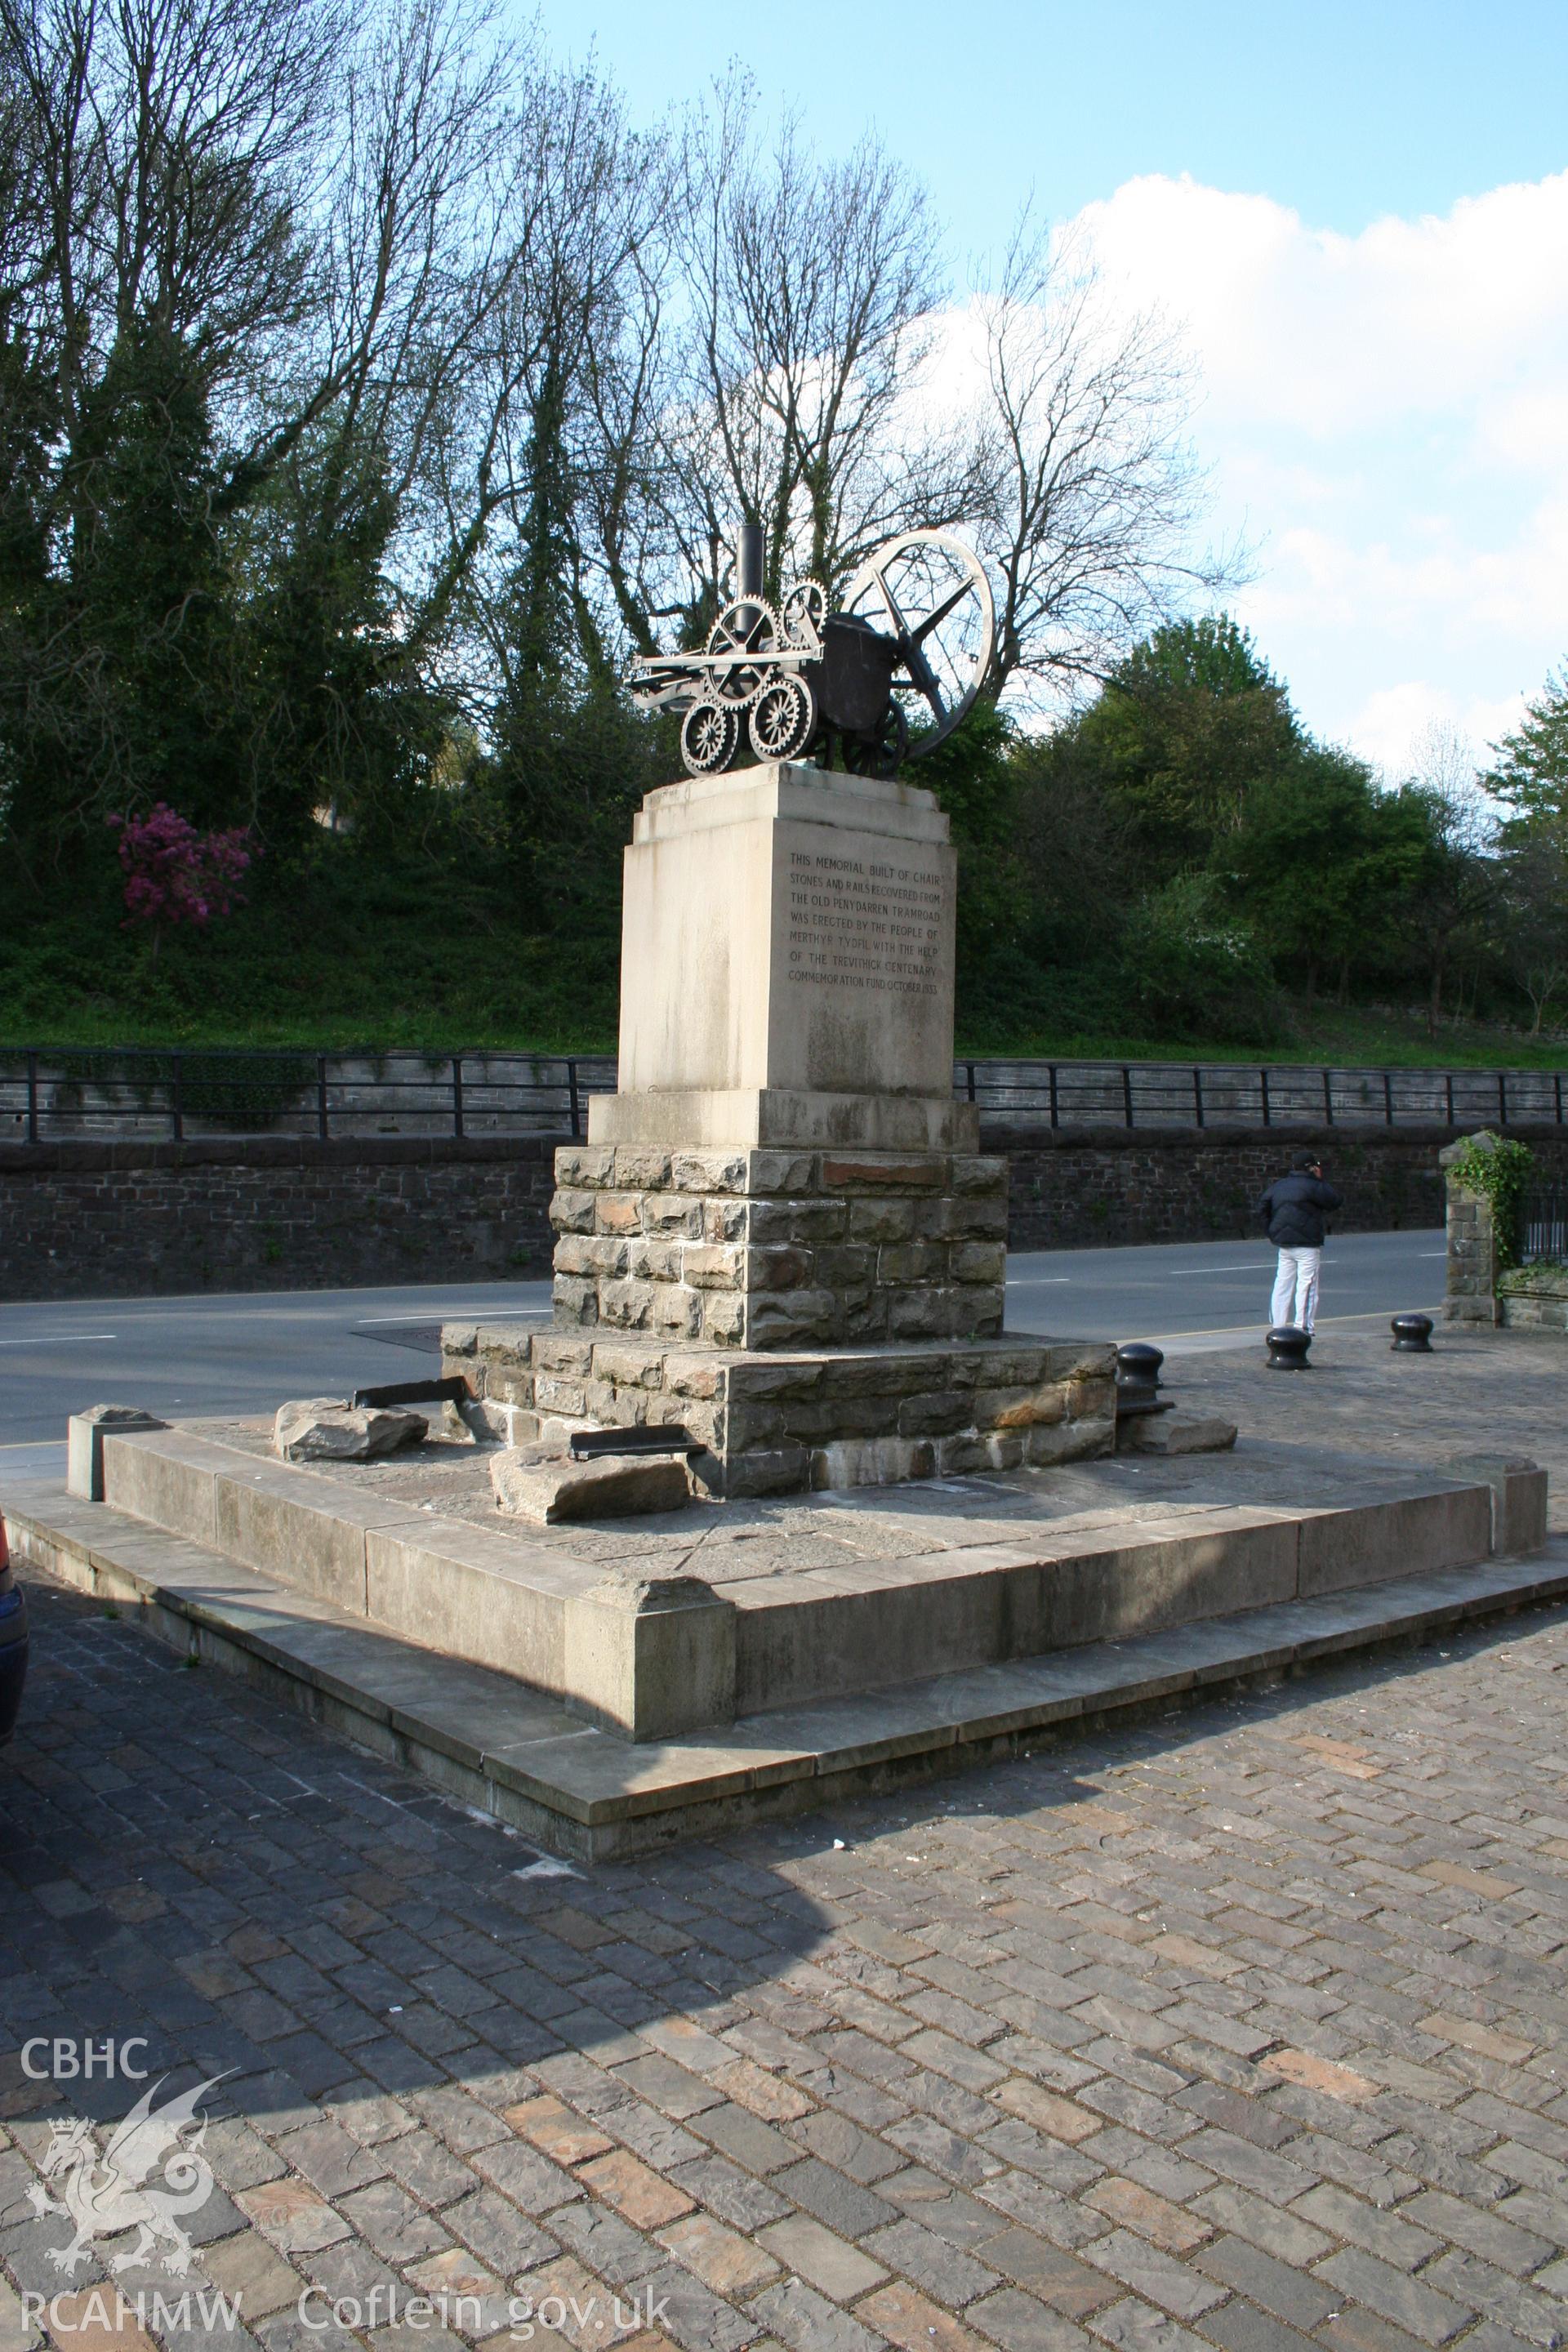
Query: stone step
(1124, 1560)
(489, 1741)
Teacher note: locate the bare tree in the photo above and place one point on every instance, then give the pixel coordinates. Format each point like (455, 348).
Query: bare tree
(808, 306)
(1092, 493)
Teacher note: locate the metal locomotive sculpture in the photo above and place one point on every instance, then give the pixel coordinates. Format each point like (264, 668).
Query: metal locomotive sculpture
(803, 682)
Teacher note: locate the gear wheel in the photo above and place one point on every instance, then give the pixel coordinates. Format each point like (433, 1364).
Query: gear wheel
(710, 738)
(747, 627)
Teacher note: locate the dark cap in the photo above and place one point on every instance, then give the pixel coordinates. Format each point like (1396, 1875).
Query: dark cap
(1308, 1159)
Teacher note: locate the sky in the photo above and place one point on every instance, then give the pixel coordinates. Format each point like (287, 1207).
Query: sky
(1356, 217)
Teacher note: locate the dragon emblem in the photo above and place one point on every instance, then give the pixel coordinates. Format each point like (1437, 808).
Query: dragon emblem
(148, 2176)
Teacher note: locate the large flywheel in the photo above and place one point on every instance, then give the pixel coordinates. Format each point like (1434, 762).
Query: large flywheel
(930, 592)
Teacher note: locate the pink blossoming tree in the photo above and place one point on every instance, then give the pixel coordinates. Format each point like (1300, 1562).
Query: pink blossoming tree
(176, 874)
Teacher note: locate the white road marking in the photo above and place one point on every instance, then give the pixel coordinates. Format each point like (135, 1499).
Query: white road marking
(59, 1339)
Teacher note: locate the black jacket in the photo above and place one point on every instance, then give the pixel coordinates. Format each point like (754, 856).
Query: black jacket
(1294, 1209)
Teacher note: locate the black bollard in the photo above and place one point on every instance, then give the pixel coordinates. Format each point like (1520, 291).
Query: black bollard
(1138, 1379)
(1288, 1349)
(1412, 1334)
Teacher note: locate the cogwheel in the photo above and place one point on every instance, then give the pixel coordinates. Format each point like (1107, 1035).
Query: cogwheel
(746, 626)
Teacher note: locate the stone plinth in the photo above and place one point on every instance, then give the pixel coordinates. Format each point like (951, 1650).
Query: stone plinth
(776, 1423)
(781, 1233)
(786, 967)
(774, 1249)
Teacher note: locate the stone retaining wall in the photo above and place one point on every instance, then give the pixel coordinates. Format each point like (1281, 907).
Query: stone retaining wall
(101, 1220)
(118, 1221)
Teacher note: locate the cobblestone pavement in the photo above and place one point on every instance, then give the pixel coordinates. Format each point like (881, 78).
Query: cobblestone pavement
(1477, 1392)
(1243, 2030)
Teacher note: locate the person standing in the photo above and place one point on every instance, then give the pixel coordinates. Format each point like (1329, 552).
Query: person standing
(1295, 1211)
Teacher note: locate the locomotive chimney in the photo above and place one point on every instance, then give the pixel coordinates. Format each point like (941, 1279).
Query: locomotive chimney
(749, 548)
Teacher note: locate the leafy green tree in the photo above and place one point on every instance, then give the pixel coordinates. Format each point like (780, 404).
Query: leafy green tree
(1322, 861)
(1193, 970)
(1188, 727)
(1531, 772)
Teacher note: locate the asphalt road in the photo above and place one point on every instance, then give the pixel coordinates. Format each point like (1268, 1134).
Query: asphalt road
(184, 1357)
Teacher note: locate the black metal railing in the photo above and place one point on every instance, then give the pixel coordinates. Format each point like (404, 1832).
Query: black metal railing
(1544, 1226)
(51, 1094)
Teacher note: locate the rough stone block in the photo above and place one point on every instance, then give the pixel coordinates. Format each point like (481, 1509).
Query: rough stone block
(710, 1266)
(650, 1658)
(84, 1445)
(884, 1221)
(550, 1488)
(723, 1219)
(617, 1213)
(1177, 1433)
(781, 1470)
(938, 1413)
(641, 1169)
(677, 1313)
(655, 1260)
(575, 1299)
(708, 1171)
(628, 1305)
(586, 1166)
(627, 1367)
(1090, 1397)
(786, 1319)
(979, 1262)
(974, 1173)
(781, 1171)
(554, 1394)
(1069, 1440)
(326, 1429)
(676, 1212)
(971, 1450)
(776, 1268)
(591, 1256)
(723, 1319)
(1019, 1408)
(867, 1171)
(561, 1351)
(572, 1211)
(909, 1262)
(692, 1376)
(871, 1462)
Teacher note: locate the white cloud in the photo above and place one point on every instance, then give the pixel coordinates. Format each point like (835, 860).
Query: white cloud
(1388, 419)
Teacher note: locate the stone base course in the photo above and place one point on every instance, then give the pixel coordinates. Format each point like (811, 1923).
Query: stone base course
(778, 1425)
(780, 1249)
(523, 1757)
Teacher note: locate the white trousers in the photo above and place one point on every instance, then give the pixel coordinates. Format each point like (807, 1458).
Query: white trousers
(1295, 1300)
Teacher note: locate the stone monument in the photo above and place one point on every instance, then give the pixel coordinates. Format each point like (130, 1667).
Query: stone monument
(782, 1234)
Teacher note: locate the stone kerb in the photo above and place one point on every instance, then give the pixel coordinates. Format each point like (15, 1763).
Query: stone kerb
(760, 1250)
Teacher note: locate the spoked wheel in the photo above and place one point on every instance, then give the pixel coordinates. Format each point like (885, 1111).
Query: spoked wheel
(784, 718)
(709, 737)
(746, 627)
(932, 591)
(880, 755)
